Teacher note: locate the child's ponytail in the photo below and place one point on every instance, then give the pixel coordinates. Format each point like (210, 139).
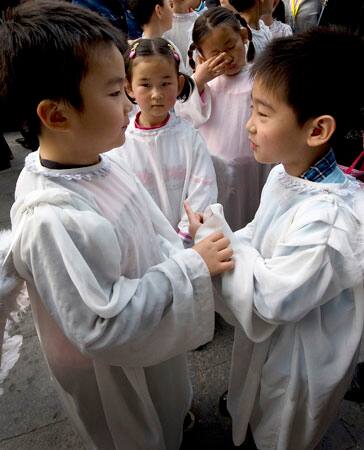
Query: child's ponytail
(188, 87)
(251, 49)
(191, 61)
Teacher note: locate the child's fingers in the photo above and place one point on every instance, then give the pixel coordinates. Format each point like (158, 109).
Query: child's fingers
(221, 57)
(227, 266)
(226, 254)
(222, 243)
(189, 211)
(216, 236)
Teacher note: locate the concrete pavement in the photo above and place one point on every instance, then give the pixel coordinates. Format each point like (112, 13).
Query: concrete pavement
(31, 417)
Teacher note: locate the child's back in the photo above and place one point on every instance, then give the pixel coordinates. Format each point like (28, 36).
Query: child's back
(181, 31)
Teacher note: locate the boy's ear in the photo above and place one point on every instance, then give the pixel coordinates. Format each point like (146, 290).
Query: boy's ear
(53, 115)
(320, 130)
(158, 11)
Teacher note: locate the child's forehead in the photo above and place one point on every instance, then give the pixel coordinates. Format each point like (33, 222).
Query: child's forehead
(105, 62)
(219, 35)
(145, 63)
(270, 92)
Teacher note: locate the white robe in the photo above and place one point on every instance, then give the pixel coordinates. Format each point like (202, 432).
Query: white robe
(261, 37)
(220, 115)
(181, 34)
(296, 298)
(280, 29)
(174, 165)
(113, 314)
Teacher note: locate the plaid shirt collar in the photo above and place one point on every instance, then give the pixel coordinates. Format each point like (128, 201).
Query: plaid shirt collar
(321, 169)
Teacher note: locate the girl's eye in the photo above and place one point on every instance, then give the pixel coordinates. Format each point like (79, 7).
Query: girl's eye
(166, 83)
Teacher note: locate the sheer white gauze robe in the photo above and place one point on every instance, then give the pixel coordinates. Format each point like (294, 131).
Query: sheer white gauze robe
(296, 300)
(113, 314)
(174, 165)
(220, 115)
(280, 29)
(181, 34)
(261, 37)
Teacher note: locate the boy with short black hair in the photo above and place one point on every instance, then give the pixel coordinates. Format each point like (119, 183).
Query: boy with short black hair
(116, 299)
(155, 18)
(296, 295)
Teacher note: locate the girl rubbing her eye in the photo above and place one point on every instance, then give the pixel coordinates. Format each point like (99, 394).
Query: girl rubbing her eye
(220, 108)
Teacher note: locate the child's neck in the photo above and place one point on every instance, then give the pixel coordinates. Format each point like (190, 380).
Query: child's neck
(181, 7)
(252, 17)
(309, 159)
(142, 120)
(66, 154)
(268, 19)
(153, 29)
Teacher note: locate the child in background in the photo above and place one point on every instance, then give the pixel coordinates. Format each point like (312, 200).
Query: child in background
(276, 27)
(166, 153)
(116, 299)
(155, 18)
(220, 107)
(180, 34)
(253, 11)
(296, 295)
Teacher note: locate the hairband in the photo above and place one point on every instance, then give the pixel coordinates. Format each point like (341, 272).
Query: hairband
(132, 52)
(173, 50)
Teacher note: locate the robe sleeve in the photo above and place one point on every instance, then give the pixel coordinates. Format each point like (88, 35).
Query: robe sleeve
(73, 259)
(312, 265)
(197, 109)
(202, 187)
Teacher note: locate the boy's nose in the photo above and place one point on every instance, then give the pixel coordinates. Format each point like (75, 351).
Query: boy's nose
(250, 126)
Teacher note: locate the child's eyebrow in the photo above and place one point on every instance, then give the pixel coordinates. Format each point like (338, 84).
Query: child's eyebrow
(263, 103)
(115, 80)
(146, 79)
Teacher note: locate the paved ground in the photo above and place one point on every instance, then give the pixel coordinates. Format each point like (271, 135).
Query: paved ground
(31, 417)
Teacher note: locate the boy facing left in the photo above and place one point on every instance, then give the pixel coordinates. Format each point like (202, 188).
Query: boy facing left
(115, 298)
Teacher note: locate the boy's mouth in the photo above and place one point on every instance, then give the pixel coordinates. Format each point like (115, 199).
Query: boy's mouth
(253, 146)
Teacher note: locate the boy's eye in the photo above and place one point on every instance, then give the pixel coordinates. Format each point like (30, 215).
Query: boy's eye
(115, 94)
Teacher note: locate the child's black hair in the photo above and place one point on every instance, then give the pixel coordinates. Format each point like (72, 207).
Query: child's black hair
(208, 21)
(158, 46)
(317, 72)
(143, 9)
(45, 47)
(242, 5)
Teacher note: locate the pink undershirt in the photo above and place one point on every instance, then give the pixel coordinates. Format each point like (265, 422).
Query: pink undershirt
(154, 127)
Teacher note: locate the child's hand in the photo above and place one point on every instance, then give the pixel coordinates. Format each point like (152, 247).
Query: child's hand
(216, 253)
(210, 69)
(195, 219)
